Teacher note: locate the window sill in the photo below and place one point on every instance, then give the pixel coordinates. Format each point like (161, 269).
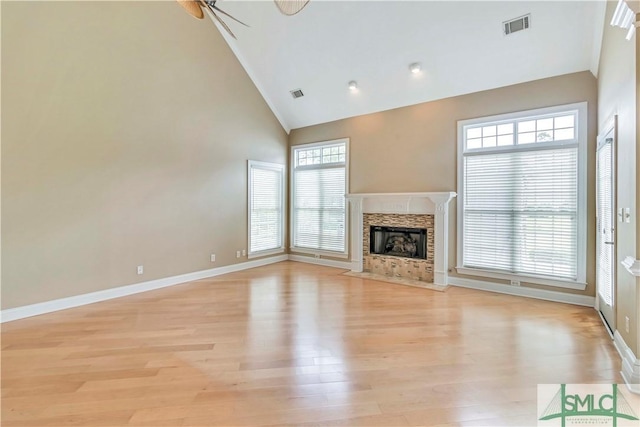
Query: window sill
(330, 254)
(264, 253)
(566, 284)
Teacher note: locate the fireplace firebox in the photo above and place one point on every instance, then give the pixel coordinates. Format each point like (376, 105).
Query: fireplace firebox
(398, 241)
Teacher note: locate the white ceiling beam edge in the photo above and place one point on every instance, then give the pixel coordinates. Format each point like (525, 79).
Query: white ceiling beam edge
(252, 75)
(598, 33)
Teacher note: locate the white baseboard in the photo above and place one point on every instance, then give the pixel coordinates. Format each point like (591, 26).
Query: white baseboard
(523, 291)
(75, 301)
(346, 265)
(630, 363)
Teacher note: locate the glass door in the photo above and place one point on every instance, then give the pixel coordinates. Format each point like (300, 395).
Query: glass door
(605, 233)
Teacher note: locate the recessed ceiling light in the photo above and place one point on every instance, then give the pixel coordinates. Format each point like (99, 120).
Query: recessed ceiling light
(415, 67)
(353, 85)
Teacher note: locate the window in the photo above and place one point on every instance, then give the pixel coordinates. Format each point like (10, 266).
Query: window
(522, 207)
(266, 208)
(318, 204)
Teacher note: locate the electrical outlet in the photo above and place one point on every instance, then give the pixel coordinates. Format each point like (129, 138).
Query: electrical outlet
(626, 323)
(237, 254)
(213, 257)
(515, 283)
(140, 269)
(317, 256)
(244, 252)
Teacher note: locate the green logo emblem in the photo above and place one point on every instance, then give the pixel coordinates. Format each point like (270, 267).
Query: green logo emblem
(610, 406)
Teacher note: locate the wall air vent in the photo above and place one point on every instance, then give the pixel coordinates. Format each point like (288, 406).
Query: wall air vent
(297, 93)
(517, 24)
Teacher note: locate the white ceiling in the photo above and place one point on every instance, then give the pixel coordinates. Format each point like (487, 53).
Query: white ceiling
(460, 45)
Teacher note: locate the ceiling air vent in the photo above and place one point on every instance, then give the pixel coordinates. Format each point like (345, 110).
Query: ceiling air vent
(297, 93)
(518, 24)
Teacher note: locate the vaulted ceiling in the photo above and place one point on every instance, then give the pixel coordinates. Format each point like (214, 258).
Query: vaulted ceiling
(460, 45)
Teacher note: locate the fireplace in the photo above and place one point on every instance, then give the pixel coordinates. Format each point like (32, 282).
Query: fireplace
(403, 210)
(403, 242)
(398, 245)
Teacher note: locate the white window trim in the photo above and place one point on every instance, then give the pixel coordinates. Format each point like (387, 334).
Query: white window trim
(317, 252)
(582, 129)
(278, 168)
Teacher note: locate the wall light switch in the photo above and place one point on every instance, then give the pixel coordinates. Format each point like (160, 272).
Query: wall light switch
(626, 213)
(620, 215)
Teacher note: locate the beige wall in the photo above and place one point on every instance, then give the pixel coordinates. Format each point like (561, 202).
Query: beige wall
(617, 95)
(414, 148)
(126, 131)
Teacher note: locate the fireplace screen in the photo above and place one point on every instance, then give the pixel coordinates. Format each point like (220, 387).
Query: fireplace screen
(399, 241)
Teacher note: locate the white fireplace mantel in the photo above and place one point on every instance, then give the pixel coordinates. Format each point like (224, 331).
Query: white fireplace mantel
(436, 204)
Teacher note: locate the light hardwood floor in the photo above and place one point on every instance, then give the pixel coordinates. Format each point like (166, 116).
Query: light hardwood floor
(298, 344)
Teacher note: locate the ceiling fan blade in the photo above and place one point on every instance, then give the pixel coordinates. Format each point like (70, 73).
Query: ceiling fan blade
(225, 26)
(226, 14)
(192, 7)
(290, 7)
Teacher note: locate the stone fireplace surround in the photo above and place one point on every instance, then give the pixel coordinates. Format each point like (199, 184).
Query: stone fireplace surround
(395, 266)
(436, 204)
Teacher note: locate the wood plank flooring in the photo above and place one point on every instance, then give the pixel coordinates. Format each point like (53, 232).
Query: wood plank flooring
(297, 344)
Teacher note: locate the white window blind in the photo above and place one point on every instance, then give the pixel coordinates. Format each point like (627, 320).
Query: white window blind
(521, 197)
(318, 202)
(266, 208)
(520, 212)
(605, 223)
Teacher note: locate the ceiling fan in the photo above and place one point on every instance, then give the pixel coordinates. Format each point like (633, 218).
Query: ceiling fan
(194, 8)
